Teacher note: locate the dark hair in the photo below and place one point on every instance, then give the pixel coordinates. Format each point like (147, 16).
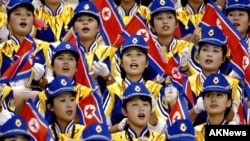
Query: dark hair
(145, 73)
(43, 2)
(224, 48)
(73, 20)
(29, 7)
(143, 98)
(76, 56)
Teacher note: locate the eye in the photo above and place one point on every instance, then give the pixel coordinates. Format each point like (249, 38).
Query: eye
(72, 58)
(139, 54)
(72, 99)
(127, 54)
(204, 49)
(17, 13)
(170, 17)
(219, 94)
(134, 105)
(159, 18)
(79, 20)
(62, 100)
(29, 14)
(60, 58)
(216, 51)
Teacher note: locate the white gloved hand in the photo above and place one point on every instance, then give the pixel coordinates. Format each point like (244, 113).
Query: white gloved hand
(4, 33)
(171, 94)
(36, 3)
(233, 74)
(199, 107)
(1, 89)
(153, 100)
(122, 124)
(159, 127)
(5, 115)
(100, 69)
(159, 78)
(185, 56)
(38, 70)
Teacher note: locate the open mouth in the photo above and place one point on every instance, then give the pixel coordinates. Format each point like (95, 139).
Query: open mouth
(85, 29)
(23, 24)
(208, 61)
(65, 68)
(133, 65)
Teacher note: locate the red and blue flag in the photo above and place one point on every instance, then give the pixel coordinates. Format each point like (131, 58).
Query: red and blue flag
(112, 24)
(37, 125)
(22, 67)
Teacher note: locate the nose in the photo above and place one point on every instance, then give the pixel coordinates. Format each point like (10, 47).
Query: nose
(23, 16)
(69, 103)
(164, 20)
(141, 108)
(66, 61)
(213, 97)
(85, 22)
(209, 53)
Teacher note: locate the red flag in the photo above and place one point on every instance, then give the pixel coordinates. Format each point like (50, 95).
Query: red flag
(21, 68)
(90, 110)
(39, 24)
(242, 112)
(179, 110)
(37, 126)
(111, 20)
(26, 46)
(177, 32)
(82, 74)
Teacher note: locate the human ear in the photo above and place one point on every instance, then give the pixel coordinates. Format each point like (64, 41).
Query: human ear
(124, 112)
(50, 107)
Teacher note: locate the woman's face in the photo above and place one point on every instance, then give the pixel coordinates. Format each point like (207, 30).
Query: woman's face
(138, 112)
(65, 64)
(210, 57)
(21, 21)
(216, 103)
(134, 62)
(164, 24)
(240, 19)
(64, 107)
(87, 27)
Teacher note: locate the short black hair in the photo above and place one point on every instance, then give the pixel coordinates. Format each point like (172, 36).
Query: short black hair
(141, 97)
(59, 52)
(26, 5)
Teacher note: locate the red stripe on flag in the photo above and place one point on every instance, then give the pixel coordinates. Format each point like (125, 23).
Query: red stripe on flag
(36, 127)
(81, 74)
(90, 108)
(38, 23)
(110, 20)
